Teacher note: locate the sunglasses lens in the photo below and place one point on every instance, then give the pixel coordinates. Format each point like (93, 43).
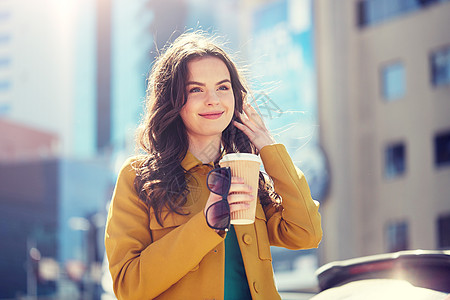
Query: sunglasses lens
(218, 215)
(219, 181)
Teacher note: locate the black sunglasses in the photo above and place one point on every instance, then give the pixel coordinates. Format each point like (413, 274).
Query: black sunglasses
(218, 214)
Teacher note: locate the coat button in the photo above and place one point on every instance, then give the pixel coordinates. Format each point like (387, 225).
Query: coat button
(256, 286)
(247, 238)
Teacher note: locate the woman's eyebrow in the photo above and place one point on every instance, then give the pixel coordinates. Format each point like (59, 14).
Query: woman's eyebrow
(202, 84)
(195, 83)
(223, 81)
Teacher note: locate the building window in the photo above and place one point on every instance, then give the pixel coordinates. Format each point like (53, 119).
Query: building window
(5, 85)
(4, 109)
(397, 236)
(440, 67)
(393, 81)
(394, 160)
(5, 62)
(5, 38)
(442, 149)
(372, 12)
(443, 225)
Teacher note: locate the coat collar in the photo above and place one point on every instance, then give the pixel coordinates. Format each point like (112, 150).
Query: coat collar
(190, 161)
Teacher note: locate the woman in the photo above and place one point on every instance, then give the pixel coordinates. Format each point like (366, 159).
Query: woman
(158, 241)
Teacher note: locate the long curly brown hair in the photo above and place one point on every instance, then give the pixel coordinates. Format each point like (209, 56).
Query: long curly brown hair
(161, 180)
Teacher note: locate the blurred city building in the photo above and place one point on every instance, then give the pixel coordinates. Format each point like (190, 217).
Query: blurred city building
(72, 87)
(20, 142)
(384, 91)
(50, 207)
(56, 146)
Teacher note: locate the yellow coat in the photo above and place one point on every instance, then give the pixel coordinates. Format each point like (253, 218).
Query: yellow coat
(184, 258)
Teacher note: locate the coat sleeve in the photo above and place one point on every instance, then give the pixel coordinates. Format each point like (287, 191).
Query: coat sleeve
(296, 223)
(142, 269)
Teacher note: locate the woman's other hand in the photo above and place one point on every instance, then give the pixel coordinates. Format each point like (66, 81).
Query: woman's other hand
(253, 126)
(239, 196)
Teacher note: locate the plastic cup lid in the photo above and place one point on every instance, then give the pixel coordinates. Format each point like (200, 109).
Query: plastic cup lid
(240, 156)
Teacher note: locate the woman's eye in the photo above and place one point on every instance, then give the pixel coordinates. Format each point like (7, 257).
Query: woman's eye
(223, 88)
(195, 90)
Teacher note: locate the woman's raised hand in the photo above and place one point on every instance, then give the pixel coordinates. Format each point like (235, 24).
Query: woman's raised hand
(253, 126)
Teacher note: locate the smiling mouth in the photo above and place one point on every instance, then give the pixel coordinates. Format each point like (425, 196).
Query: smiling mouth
(212, 115)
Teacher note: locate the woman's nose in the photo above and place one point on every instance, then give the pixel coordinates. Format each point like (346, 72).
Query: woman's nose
(213, 98)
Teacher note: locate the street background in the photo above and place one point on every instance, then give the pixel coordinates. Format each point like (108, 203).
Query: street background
(357, 90)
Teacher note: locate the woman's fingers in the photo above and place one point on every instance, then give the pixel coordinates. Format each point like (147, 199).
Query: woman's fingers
(248, 119)
(239, 206)
(239, 201)
(238, 198)
(251, 119)
(253, 116)
(245, 129)
(238, 186)
(259, 138)
(253, 126)
(240, 195)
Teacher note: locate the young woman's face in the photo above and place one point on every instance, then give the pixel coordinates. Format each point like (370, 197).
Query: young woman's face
(210, 100)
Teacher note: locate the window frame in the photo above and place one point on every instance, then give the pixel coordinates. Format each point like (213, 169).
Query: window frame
(432, 66)
(383, 70)
(387, 174)
(397, 226)
(440, 228)
(440, 134)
